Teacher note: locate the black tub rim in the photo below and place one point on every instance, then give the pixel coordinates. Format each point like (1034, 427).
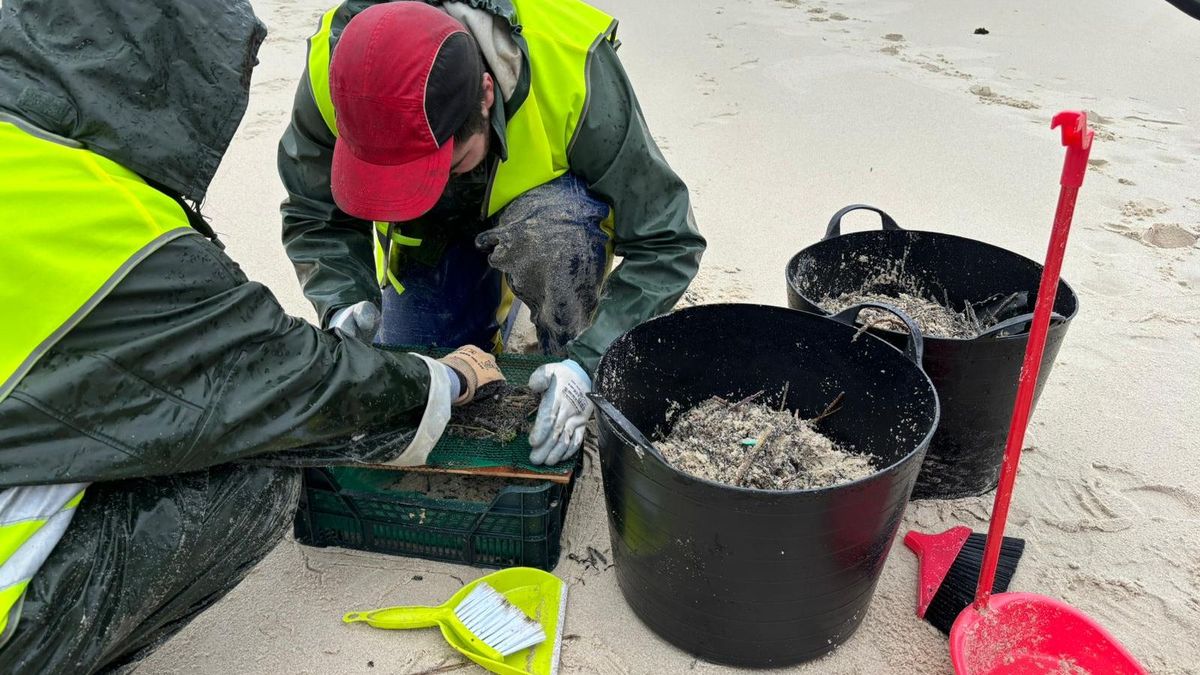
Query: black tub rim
(920, 447)
(793, 262)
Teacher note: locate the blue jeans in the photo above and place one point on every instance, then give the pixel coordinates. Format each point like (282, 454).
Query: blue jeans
(547, 243)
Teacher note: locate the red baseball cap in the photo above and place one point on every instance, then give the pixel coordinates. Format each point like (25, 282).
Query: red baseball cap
(403, 77)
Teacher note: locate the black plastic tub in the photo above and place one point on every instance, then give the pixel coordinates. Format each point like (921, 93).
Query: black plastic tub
(744, 576)
(976, 379)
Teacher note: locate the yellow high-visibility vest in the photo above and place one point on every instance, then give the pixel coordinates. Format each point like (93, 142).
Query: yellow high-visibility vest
(73, 225)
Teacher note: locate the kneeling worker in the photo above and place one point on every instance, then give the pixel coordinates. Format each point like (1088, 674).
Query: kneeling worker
(442, 158)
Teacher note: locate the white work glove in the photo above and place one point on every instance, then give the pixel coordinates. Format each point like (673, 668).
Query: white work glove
(359, 320)
(563, 413)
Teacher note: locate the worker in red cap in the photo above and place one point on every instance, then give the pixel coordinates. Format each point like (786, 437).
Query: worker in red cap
(445, 157)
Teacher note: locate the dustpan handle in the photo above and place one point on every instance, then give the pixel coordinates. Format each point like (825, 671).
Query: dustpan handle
(395, 618)
(1078, 139)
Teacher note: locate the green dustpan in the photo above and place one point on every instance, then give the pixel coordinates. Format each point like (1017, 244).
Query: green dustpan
(541, 595)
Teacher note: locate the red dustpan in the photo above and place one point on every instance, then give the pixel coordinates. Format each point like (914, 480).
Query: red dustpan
(1019, 633)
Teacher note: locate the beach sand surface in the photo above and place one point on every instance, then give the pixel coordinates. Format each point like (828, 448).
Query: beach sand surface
(777, 113)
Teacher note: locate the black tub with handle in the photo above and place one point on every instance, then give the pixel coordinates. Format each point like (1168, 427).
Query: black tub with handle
(739, 575)
(976, 378)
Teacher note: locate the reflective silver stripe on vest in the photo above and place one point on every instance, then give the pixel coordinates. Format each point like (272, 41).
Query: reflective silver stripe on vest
(37, 502)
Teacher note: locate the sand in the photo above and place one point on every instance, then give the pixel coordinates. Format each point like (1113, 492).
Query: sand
(775, 121)
(748, 444)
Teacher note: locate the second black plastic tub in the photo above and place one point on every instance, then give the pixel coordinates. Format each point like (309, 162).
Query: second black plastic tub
(976, 378)
(743, 576)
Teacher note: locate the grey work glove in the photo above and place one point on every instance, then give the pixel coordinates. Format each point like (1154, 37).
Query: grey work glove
(360, 320)
(563, 413)
(549, 244)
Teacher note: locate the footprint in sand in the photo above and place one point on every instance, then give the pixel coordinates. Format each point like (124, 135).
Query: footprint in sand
(1143, 209)
(1168, 235)
(1074, 507)
(893, 49)
(263, 122)
(1156, 502)
(707, 84)
(1150, 120)
(273, 85)
(1169, 159)
(986, 95)
(715, 283)
(717, 119)
(716, 40)
(1127, 602)
(1106, 498)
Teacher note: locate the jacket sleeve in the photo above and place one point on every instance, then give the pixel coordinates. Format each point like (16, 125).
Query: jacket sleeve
(655, 232)
(187, 364)
(331, 251)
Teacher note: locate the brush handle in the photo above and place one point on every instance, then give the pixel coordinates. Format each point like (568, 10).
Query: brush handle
(399, 617)
(1078, 139)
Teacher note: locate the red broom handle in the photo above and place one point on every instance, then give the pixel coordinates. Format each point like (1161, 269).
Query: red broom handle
(1078, 139)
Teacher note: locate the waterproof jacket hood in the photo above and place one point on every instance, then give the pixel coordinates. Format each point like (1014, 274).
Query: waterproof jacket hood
(158, 86)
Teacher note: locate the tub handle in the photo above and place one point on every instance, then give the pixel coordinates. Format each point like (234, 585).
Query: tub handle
(915, 347)
(835, 223)
(1009, 324)
(625, 429)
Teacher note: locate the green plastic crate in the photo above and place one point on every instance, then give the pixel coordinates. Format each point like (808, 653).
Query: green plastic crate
(360, 509)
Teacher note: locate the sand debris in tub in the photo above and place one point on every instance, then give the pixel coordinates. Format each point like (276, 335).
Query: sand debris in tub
(893, 285)
(748, 444)
(502, 413)
(934, 318)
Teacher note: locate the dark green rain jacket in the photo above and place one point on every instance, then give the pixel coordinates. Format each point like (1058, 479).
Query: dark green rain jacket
(187, 364)
(613, 152)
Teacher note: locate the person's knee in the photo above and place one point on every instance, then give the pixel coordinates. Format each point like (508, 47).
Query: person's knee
(564, 200)
(254, 504)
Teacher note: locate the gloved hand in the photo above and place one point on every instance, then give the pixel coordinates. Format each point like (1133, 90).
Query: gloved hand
(359, 320)
(563, 413)
(474, 368)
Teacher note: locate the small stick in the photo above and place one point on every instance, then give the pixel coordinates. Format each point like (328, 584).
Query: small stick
(478, 430)
(783, 398)
(746, 400)
(830, 409)
(740, 479)
(869, 325)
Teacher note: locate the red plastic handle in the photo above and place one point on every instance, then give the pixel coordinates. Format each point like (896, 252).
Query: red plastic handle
(1078, 138)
